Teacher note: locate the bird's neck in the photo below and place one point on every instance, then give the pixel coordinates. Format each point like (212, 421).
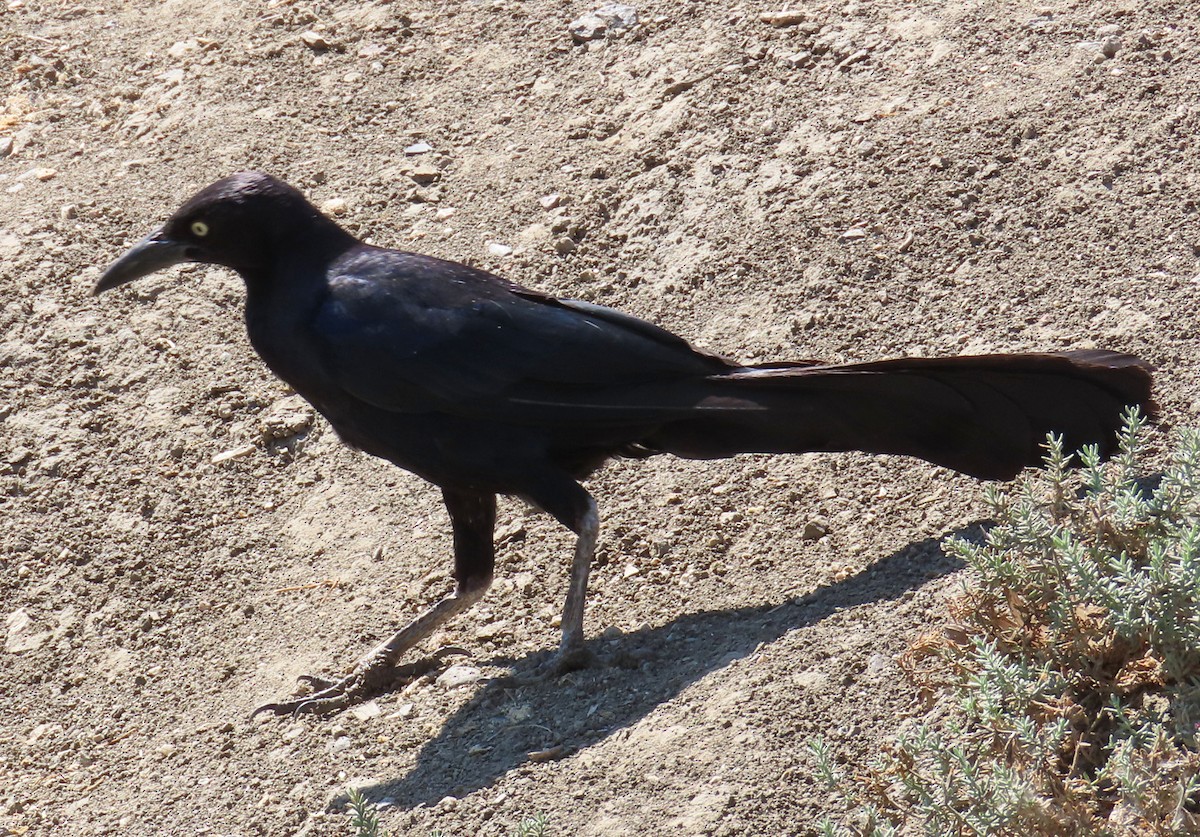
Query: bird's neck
(296, 263)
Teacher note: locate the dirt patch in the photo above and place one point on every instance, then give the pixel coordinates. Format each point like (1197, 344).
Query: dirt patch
(855, 181)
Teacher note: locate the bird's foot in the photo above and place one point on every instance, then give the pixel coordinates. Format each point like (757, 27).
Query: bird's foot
(567, 660)
(372, 677)
(564, 661)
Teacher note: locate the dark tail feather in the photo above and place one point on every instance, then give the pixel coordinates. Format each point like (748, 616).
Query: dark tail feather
(985, 415)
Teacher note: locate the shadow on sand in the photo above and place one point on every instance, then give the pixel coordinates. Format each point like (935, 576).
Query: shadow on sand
(497, 729)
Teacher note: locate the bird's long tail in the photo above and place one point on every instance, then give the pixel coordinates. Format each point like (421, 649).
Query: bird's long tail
(982, 415)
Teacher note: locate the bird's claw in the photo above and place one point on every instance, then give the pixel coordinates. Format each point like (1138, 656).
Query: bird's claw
(327, 696)
(370, 678)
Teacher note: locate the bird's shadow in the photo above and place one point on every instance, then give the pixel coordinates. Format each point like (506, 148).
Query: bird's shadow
(499, 728)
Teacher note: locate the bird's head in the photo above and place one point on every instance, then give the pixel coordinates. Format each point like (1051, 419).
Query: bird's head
(238, 222)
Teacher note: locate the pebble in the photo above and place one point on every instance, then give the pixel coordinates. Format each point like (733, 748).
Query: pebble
(854, 234)
(459, 675)
(234, 453)
(182, 48)
(287, 417)
(366, 711)
(550, 201)
(787, 17)
(796, 60)
(445, 213)
(6, 146)
(404, 711)
(814, 530)
(44, 174)
(611, 19)
(565, 245)
(334, 206)
(495, 248)
(22, 634)
(418, 148)
(425, 173)
(878, 664)
(315, 40)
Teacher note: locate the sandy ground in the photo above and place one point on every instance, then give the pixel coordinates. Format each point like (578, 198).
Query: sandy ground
(181, 538)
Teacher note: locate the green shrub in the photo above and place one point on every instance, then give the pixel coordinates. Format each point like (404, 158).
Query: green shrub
(1070, 666)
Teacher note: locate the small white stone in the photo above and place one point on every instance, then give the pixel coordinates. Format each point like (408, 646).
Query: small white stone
(459, 676)
(334, 206)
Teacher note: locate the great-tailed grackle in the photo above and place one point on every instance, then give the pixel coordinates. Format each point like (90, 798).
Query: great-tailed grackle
(483, 387)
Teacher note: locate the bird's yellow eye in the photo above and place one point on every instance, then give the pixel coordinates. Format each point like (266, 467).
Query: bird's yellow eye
(199, 229)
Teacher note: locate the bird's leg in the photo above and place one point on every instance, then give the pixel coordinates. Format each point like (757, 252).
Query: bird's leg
(570, 651)
(473, 518)
(571, 505)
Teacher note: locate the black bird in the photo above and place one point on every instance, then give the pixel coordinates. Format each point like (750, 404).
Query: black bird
(484, 387)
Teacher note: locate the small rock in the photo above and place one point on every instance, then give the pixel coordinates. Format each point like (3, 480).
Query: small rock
(803, 58)
(445, 213)
(459, 675)
(550, 201)
(285, 418)
(878, 664)
(814, 530)
(340, 744)
(68, 212)
(233, 453)
(425, 173)
(6, 146)
(418, 148)
(491, 631)
(534, 235)
(788, 17)
(166, 750)
(854, 234)
(44, 174)
(565, 245)
(182, 48)
(315, 40)
(41, 731)
(495, 248)
(22, 634)
(366, 711)
(612, 19)
(334, 206)
(405, 710)
(1110, 47)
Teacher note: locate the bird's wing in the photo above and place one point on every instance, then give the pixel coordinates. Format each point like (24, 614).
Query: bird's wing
(411, 333)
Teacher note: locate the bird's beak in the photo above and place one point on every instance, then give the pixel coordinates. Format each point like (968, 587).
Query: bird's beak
(154, 252)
